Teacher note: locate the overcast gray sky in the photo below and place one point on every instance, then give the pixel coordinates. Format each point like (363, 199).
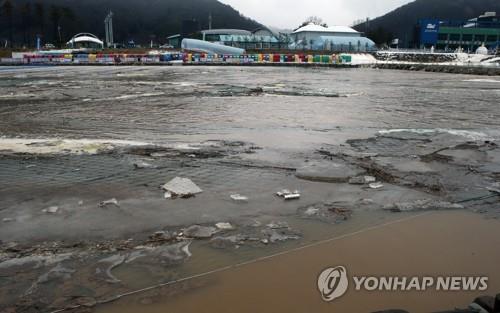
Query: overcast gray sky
(291, 13)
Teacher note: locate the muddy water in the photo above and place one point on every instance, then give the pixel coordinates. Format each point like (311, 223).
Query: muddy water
(296, 108)
(282, 116)
(424, 245)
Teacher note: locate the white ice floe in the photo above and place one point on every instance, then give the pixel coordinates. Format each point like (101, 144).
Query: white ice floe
(182, 187)
(139, 95)
(376, 185)
(224, 226)
(482, 80)
(238, 197)
(63, 146)
(469, 134)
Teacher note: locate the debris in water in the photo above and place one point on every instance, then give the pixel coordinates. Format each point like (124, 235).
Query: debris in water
(224, 226)
(370, 179)
(288, 195)
(161, 236)
(7, 220)
(143, 165)
(168, 195)
(422, 205)
(376, 185)
(112, 201)
(51, 210)
(361, 180)
(182, 187)
(238, 197)
(325, 212)
(278, 225)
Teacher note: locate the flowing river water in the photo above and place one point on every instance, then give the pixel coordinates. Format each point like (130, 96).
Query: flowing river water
(71, 137)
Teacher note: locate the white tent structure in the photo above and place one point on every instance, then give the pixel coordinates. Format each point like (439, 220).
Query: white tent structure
(196, 45)
(85, 40)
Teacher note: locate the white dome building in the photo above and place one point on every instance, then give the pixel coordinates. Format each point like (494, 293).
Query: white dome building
(85, 40)
(482, 50)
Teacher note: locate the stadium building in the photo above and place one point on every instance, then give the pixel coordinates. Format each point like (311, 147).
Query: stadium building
(467, 35)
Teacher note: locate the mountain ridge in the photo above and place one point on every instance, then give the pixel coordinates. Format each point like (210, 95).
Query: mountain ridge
(400, 22)
(141, 21)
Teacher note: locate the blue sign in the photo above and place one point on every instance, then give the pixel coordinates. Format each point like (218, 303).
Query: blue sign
(429, 31)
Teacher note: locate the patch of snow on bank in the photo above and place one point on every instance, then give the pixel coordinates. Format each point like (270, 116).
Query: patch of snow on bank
(363, 58)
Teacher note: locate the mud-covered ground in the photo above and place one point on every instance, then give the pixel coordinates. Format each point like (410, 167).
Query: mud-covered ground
(361, 146)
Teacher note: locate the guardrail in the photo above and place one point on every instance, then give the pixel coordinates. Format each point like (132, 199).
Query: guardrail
(184, 58)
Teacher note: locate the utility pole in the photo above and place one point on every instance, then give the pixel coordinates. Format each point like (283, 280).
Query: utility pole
(210, 20)
(108, 29)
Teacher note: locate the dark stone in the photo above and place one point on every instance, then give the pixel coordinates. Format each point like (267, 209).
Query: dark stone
(497, 304)
(486, 302)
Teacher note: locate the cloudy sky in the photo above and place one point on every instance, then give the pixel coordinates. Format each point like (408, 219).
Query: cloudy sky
(291, 13)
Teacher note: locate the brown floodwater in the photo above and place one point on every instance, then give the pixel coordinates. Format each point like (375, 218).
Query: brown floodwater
(431, 244)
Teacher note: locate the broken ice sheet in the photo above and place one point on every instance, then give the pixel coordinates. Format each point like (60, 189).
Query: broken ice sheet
(288, 195)
(376, 185)
(238, 197)
(182, 187)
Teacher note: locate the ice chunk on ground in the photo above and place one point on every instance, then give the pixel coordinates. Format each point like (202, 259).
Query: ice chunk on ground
(182, 187)
(224, 226)
(238, 197)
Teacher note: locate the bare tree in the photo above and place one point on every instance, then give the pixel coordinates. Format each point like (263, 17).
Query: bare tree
(315, 20)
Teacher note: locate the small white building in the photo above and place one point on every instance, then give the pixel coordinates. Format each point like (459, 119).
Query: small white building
(85, 40)
(338, 38)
